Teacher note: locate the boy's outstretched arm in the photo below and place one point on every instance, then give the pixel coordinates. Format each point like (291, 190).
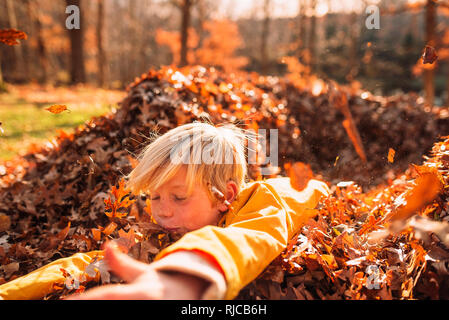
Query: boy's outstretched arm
(153, 281)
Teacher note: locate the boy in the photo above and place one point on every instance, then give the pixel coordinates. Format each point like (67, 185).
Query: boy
(228, 240)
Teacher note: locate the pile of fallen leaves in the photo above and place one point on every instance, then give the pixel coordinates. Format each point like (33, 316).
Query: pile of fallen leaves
(355, 249)
(67, 196)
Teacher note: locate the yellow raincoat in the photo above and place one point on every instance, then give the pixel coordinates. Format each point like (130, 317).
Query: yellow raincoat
(265, 215)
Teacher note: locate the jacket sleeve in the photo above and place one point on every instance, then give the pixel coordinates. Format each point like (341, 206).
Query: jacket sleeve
(266, 220)
(39, 283)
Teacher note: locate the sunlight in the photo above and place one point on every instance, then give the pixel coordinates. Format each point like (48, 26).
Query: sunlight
(322, 9)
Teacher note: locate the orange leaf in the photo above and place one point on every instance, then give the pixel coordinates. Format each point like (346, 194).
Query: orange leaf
(10, 36)
(57, 108)
(371, 225)
(391, 154)
(428, 186)
(63, 233)
(299, 173)
(330, 260)
(110, 228)
(118, 206)
(354, 136)
(96, 234)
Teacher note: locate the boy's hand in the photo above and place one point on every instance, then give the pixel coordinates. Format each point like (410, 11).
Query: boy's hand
(144, 282)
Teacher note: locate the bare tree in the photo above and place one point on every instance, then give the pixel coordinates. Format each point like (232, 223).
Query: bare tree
(301, 28)
(77, 67)
(264, 36)
(101, 55)
(18, 51)
(354, 35)
(312, 38)
(185, 6)
(34, 12)
(203, 9)
(429, 74)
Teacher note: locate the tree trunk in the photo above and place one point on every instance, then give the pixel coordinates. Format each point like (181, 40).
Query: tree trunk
(132, 39)
(101, 56)
(185, 24)
(429, 86)
(302, 30)
(352, 48)
(146, 30)
(77, 68)
(18, 52)
(264, 39)
(312, 39)
(35, 16)
(202, 16)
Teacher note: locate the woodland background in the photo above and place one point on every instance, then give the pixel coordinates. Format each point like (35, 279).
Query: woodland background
(119, 40)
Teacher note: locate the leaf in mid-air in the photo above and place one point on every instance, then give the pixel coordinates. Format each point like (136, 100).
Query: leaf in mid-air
(391, 154)
(299, 173)
(429, 55)
(11, 36)
(57, 108)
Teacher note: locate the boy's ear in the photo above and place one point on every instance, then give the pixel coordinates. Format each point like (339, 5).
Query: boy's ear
(231, 191)
(231, 194)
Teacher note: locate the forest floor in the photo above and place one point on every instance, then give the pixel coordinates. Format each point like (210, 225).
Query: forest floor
(25, 120)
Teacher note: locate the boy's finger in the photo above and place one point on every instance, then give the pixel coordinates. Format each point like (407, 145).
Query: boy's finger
(122, 265)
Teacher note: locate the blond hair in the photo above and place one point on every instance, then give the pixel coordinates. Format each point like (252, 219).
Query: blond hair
(159, 161)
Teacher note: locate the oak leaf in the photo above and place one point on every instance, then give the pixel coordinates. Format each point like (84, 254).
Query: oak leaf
(117, 206)
(11, 36)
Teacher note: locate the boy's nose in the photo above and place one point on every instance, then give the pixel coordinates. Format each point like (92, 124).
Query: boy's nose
(166, 212)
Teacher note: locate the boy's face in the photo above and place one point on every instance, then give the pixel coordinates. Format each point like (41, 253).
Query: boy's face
(174, 211)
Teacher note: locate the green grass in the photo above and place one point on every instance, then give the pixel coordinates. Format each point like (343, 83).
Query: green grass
(26, 122)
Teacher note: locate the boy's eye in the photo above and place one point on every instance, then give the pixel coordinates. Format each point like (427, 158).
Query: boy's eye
(179, 198)
(155, 198)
